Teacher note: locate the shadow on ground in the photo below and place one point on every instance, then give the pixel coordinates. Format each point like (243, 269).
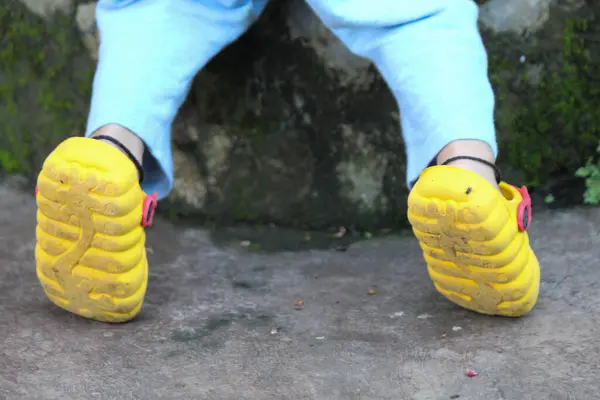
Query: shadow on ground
(272, 239)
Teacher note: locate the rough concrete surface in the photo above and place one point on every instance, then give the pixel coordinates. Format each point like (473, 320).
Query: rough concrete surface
(205, 330)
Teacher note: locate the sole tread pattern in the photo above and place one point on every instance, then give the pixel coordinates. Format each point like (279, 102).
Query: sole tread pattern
(90, 251)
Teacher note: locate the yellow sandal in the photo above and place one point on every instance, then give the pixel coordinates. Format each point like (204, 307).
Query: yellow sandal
(90, 253)
(474, 240)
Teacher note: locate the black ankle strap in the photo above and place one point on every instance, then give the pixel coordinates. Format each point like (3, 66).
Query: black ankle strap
(125, 150)
(489, 164)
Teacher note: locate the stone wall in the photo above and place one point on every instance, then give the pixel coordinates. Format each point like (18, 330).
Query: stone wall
(287, 126)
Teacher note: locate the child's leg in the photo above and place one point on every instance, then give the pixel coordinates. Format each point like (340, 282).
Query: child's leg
(90, 254)
(432, 57)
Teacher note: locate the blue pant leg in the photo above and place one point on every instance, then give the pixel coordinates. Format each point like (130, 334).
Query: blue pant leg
(432, 57)
(149, 53)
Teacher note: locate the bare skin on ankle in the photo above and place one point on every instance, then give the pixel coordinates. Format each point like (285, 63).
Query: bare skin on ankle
(133, 143)
(473, 148)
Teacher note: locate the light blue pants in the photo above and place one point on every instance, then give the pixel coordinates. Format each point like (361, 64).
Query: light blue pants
(429, 52)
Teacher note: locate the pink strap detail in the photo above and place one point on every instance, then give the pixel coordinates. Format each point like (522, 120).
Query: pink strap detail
(148, 210)
(524, 215)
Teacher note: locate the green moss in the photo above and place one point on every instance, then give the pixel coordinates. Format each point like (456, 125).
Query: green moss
(7, 162)
(591, 173)
(553, 128)
(45, 78)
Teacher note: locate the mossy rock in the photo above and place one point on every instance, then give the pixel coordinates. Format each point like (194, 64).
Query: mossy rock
(548, 91)
(45, 85)
(296, 145)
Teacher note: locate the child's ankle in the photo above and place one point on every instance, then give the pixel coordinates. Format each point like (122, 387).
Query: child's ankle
(126, 142)
(127, 138)
(470, 148)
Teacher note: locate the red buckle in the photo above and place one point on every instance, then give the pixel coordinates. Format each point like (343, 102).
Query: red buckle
(37, 189)
(524, 210)
(148, 210)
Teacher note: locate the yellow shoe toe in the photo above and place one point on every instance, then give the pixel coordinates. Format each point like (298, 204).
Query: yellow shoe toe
(477, 255)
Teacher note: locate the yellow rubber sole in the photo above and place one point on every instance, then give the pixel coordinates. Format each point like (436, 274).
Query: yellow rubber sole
(90, 252)
(475, 253)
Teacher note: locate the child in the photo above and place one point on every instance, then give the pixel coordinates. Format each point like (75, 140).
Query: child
(90, 254)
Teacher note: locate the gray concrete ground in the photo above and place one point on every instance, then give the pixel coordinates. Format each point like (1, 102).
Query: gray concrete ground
(205, 330)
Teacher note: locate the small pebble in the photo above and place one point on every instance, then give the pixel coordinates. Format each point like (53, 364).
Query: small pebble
(456, 328)
(245, 243)
(471, 373)
(371, 292)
